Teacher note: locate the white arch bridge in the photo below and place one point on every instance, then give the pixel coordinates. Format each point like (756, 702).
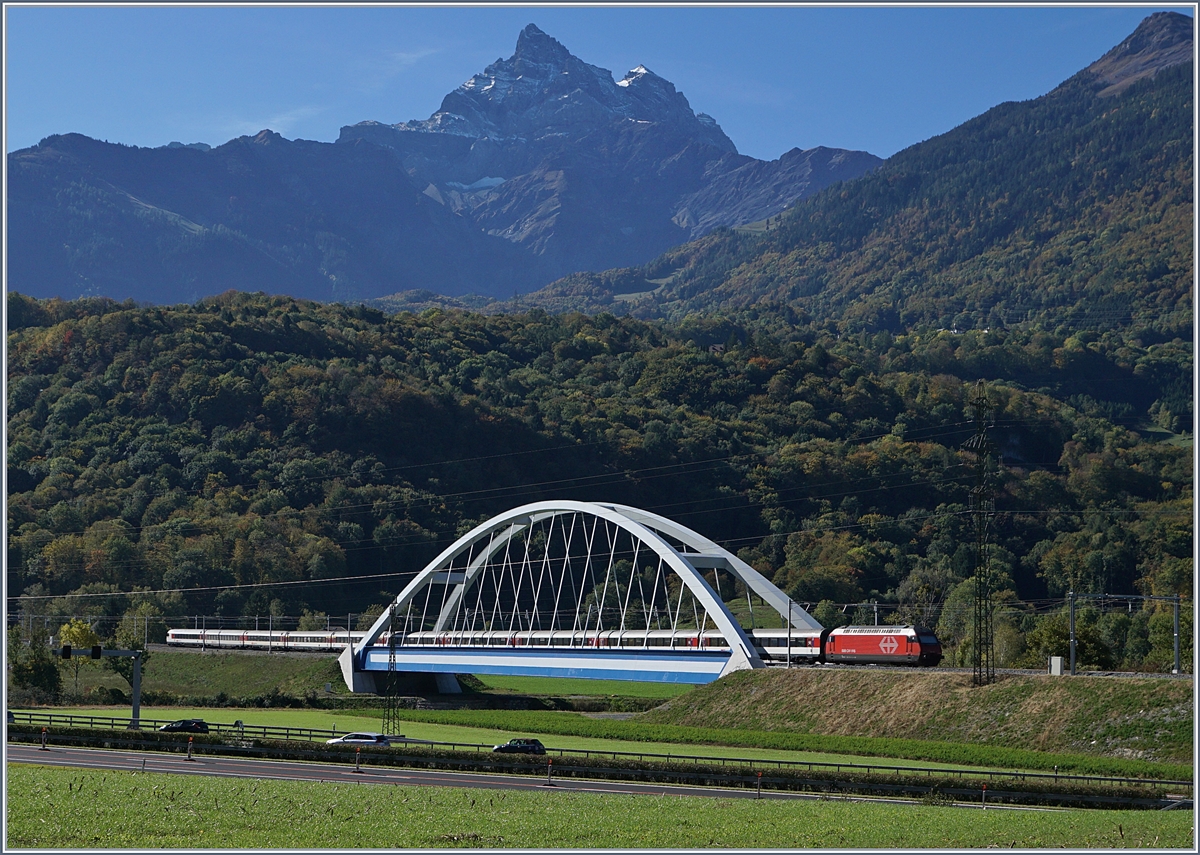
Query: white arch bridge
(580, 589)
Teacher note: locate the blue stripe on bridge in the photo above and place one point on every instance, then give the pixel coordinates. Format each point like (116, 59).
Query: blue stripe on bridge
(654, 666)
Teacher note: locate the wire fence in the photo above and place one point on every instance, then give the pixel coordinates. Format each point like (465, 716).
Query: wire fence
(240, 730)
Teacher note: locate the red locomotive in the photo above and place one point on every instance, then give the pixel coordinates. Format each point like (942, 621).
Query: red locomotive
(860, 645)
(882, 645)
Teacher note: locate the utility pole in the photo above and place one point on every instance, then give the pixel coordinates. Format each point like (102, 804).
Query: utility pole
(983, 509)
(1175, 670)
(1071, 628)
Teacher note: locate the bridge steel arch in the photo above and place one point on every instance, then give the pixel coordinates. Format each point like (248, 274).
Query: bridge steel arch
(483, 558)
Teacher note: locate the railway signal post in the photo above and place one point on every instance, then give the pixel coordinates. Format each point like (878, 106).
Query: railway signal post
(98, 652)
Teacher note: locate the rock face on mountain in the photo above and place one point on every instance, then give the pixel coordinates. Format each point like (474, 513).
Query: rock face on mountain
(1162, 40)
(1072, 208)
(539, 166)
(542, 93)
(173, 224)
(588, 172)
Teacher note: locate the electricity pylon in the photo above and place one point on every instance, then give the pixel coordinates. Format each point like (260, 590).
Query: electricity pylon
(391, 703)
(983, 509)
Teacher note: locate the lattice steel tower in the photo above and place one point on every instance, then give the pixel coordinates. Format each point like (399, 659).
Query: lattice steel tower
(391, 701)
(983, 509)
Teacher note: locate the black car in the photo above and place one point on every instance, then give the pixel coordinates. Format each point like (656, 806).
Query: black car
(186, 725)
(521, 746)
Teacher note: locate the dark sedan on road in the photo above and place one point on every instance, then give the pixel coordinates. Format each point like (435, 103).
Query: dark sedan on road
(521, 746)
(186, 725)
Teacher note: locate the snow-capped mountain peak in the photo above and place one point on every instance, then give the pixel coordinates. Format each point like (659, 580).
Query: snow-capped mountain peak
(543, 90)
(633, 75)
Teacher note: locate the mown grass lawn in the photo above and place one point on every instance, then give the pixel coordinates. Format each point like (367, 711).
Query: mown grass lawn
(69, 809)
(441, 732)
(565, 687)
(882, 749)
(194, 674)
(238, 675)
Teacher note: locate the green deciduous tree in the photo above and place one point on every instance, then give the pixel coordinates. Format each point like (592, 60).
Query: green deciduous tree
(1051, 636)
(80, 635)
(141, 624)
(32, 664)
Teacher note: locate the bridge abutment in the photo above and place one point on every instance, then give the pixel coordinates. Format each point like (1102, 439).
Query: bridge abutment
(356, 681)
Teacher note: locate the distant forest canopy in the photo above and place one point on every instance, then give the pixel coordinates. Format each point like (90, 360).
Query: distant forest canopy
(1071, 209)
(207, 454)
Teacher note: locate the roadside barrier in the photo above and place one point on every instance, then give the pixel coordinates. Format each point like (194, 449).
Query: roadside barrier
(126, 723)
(378, 760)
(310, 734)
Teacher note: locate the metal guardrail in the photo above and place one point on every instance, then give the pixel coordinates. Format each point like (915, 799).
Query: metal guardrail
(702, 776)
(116, 723)
(311, 734)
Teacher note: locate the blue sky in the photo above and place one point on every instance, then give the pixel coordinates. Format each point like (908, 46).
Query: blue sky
(871, 78)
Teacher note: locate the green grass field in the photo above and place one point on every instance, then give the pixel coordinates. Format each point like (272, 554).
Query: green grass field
(922, 752)
(565, 687)
(66, 809)
(574, 731)
(372, 721)
(241, 675)
(441, 732)
(1150, 719)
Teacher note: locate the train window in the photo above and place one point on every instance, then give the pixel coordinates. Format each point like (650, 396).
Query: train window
(928, 639)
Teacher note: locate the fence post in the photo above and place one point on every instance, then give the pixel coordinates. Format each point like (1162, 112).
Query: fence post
(189, 754)
(357, 754)
(758, 795)
(985, 796)
(43, 748)
(549, 770)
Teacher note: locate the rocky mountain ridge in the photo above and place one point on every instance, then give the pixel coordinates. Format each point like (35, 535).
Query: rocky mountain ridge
(537, 167)
(529, 145)
(1164, 39)
(1075, 207)
(543, 91)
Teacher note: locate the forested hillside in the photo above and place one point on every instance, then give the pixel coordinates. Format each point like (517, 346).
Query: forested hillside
(211, 454)
(1071, 209)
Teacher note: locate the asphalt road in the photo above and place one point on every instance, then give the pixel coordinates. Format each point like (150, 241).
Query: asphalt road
(290, 770)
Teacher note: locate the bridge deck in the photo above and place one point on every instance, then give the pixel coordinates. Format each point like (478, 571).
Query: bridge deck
(641, 664)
